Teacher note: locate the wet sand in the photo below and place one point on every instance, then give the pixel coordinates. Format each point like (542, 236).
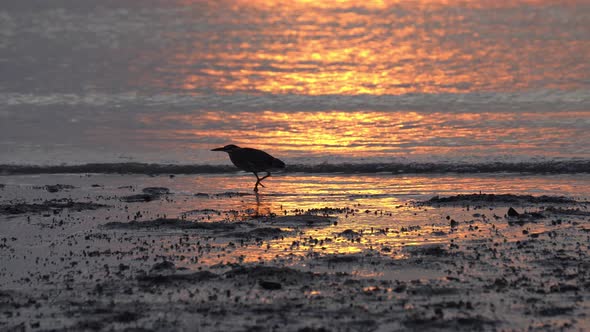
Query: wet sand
(130, 252)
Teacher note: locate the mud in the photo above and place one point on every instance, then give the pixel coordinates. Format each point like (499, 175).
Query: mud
(149, 194)
(54, 206)
(56, 187)
(301, 220)
(162, 223)
(498, 199)
(261, 233)
(201, 262)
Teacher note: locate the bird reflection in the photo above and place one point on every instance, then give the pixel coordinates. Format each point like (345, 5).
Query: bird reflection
(257, 205)
(255, 208)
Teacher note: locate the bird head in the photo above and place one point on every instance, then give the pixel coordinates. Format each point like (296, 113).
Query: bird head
(227, 148)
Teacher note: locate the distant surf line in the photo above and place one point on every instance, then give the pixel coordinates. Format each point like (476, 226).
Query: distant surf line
(532, 167)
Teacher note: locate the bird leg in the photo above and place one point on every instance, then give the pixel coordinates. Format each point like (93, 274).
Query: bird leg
(259, 180)
(256, 187)
(264, 177)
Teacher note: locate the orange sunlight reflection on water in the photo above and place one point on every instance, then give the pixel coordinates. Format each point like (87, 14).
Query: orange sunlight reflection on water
(372, 47)
(367, 134)
(372, 212)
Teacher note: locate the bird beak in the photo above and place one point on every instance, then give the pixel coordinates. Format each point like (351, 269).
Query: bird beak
(218, 149)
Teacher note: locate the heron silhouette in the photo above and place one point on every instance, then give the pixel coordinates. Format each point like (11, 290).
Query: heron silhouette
(252, 160)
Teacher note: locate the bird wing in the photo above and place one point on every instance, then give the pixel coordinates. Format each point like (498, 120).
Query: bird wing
(254, 160)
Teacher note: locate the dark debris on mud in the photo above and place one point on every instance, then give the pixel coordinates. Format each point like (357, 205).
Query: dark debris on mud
(436, 323)
(55, 205)
(520, 218)
(451, 287)
(171, 223)
(148, 194)
(427, 250)
(53, 188)
(350, 234)
(282, 275)
(566, 211)
(500, 199)
(305, 220)
(342, 258)
(260, 233)
(157, 279)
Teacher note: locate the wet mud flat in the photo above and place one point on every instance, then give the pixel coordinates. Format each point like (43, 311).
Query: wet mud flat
(95, 254)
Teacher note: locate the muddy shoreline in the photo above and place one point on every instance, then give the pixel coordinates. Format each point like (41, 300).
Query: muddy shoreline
(124, 265)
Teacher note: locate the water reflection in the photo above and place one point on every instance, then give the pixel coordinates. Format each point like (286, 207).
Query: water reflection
(257, 207)
(296, 47)
(375, 47)
(374, 212)
(370, 135)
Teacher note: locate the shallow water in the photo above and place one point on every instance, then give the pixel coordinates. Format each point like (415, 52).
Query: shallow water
(337, 82)
(381, 210)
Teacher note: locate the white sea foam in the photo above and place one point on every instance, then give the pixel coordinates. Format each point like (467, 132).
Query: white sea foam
(548, 100)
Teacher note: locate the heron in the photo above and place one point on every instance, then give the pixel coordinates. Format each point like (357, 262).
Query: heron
(252, 160)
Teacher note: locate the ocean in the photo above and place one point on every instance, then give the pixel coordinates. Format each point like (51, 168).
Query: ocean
(313, 83)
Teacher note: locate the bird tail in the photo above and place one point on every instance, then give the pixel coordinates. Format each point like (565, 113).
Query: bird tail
(277, 163)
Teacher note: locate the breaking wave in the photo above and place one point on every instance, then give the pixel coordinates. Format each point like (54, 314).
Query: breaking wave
(537, 167)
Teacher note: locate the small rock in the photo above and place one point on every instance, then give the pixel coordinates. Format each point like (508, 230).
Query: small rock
(156, 190)
(350, 234)
(58, 187)
(149, 194)
(269, 285)
(512, 212)
(139, 198)
(500, 283)
(165, 265)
